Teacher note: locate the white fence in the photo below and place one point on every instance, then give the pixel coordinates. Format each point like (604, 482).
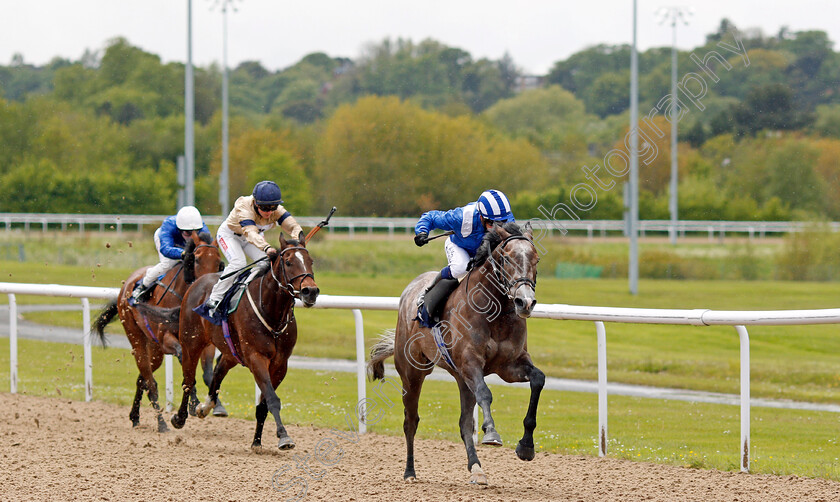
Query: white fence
(599, 315)
(80, 222)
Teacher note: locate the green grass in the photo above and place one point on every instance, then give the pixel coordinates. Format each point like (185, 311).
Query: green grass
(670, 432)
(790, 362)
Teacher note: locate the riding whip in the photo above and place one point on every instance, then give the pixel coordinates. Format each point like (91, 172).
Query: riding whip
(319, 226)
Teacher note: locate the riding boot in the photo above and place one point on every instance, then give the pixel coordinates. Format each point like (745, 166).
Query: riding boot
(434, 300)
(141, 293)
(422, 298)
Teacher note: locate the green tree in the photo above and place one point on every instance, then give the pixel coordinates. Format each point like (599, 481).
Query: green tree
(386, 157)
(608, 94)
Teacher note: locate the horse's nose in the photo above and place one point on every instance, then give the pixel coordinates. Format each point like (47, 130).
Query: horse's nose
(524, 306)
(309, 295)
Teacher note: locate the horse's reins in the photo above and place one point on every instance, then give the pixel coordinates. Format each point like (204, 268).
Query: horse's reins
(511, 287)
(287, 287)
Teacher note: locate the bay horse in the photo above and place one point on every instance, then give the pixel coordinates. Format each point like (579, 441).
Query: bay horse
(260, 333)
(483, 331)
(150, 340)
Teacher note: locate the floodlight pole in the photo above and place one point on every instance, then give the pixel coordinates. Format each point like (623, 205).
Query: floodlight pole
(224, 199)
(224, 193)
(189, 116)
(674, 14)
(633, 265)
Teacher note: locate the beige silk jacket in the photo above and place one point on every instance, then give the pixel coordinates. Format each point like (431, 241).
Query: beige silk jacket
(244, 220)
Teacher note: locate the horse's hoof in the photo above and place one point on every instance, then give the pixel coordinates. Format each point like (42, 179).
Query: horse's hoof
(135, 423)
(178, 423)
(220, 411)
(410, 479)
(492, 439)
(202, 410)
(525, 452)
(162, 427)
(256, 447)
(286, 443)
(477, 476)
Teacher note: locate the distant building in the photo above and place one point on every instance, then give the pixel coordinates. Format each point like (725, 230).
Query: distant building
(528, 82)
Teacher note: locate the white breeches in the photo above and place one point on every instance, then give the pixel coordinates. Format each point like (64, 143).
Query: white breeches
(458, 259)
(237, 250)
(161, 268)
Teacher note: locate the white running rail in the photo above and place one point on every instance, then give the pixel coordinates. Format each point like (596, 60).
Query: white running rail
(599, 315)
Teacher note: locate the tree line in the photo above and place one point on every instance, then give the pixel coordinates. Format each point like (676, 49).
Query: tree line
(410, 126)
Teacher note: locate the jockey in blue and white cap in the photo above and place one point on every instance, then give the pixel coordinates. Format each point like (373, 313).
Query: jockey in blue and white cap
(170, 241)
(468, 224)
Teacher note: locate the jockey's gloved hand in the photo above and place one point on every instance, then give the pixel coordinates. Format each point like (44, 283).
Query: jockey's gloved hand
(421, 239)
(272, 253)
(301, 237)
(183, 254)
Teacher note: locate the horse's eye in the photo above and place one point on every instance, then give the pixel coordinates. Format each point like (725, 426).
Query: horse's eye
(288, 263)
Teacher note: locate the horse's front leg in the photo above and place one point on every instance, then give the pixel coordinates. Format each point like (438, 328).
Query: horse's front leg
(474, 379)
(526, 371)
(267, 382)
(467, 426)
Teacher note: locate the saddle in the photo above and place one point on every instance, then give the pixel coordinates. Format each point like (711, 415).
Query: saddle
(232, 297)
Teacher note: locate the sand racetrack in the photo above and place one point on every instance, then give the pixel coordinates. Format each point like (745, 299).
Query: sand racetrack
(56, 449)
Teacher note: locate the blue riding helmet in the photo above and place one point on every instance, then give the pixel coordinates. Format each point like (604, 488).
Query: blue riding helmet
(494, 205)
(267, 193)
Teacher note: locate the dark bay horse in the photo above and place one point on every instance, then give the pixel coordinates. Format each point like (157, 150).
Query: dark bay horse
(150, 340)
(260, 335)
(483, 330)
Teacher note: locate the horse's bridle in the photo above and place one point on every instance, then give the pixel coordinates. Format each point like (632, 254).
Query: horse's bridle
(511, 286)
(289, 286)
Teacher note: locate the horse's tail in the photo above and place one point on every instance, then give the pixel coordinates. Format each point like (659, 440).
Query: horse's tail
(105, 316)
(381, 350)
(167, 317)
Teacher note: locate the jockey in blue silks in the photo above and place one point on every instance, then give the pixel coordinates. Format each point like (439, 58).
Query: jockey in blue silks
(170, 241)
(469, 224)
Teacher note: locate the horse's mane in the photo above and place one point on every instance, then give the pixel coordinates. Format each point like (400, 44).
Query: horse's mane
(205, 237)
(490, 241)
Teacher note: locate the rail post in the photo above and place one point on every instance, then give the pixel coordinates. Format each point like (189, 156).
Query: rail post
(744, 338)
(88, 355)
(360, 370)
(601, 333)
(13, 352)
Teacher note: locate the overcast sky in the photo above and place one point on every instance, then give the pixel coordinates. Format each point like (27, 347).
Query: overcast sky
(536, 33)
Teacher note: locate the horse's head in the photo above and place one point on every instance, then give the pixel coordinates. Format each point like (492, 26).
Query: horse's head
(514, 264)
(203, 256)
(293, 270)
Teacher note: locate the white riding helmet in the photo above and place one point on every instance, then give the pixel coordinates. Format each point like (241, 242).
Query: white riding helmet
(188, 218)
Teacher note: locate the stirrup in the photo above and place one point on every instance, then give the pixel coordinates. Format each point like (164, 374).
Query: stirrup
(141, 293)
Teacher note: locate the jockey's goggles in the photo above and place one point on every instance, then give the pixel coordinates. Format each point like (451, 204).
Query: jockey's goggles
(267, 208)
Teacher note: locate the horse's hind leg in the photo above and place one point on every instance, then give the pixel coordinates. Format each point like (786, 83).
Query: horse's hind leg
(156, 359)
(467, 426)
(134, 414)
(207, 374)
(225, 364)
(412, 381)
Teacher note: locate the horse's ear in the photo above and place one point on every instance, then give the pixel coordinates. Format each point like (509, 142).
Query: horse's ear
(282, 240)
(528, 231)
